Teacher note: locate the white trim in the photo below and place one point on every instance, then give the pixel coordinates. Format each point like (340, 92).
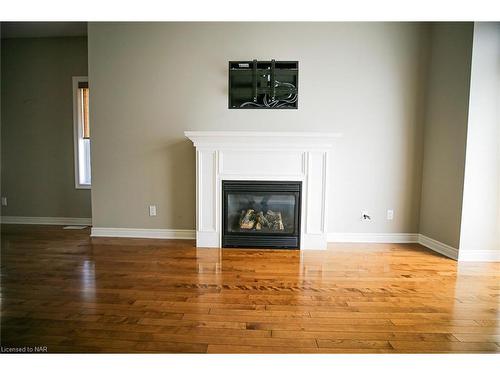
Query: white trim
(213, 139)
(46, 220)
(77, 129)
(430, 243)
(310, 241)
(207, 237)
(438, 247)
(190, 234)
(209, 134)
(479, 256)
(374, 237)
(186, 234)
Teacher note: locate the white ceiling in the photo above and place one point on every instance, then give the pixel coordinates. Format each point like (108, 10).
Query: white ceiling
(43, 29)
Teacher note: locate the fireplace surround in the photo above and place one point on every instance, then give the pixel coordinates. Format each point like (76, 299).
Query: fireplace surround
(263, 156)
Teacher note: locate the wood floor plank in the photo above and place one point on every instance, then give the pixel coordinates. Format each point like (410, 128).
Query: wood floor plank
(77, 294)
(227, 349)
(377, 336)
(473, 337)
(450, 322)
(353, 344)
(444, 347)
(234, 340)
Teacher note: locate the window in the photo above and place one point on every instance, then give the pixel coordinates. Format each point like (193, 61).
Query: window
(81, 131)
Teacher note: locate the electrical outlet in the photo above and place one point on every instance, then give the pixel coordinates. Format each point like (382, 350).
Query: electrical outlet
(365, 216)
(4, 201)
(152, 210)
(390, 214)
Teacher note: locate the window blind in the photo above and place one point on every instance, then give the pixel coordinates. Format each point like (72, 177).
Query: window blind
(84, 89)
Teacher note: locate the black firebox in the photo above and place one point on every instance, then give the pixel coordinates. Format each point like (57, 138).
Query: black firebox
(261, 214)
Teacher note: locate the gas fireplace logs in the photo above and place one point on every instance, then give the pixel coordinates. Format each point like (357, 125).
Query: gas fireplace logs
(249, 219)
(274, 219)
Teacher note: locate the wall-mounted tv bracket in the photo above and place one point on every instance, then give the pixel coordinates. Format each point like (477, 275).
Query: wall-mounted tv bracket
(273, 80)
(254, 80)
(263, 84)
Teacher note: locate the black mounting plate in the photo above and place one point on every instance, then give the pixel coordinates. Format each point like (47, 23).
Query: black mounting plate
(263, 84)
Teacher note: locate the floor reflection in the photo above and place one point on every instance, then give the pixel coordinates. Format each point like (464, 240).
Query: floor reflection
(472, 301)
(209, 266)
(87, 278)
(311, 265)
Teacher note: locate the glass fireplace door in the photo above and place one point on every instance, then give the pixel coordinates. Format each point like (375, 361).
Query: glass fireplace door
(261, 214)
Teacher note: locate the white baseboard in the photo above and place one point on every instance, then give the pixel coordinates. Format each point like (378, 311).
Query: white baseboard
(190, 234)
(207, 239)
(46, 220)
(184, 234)
(428, 242)
(313, 241)
(373, 237)
(479, 256)
(438, 247)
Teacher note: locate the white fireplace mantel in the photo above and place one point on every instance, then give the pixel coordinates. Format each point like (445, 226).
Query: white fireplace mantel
(272, 156)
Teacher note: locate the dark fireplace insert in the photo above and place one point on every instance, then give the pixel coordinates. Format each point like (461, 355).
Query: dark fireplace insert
(261, 214)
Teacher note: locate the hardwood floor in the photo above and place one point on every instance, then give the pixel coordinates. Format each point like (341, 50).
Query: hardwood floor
(70, 293)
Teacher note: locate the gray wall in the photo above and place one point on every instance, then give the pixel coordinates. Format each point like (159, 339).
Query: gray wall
(37, 127)
(445, 132)
(151, 82)
(480, 228)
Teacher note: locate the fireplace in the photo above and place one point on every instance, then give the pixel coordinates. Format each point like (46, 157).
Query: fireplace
(262, 157)
(261, 214)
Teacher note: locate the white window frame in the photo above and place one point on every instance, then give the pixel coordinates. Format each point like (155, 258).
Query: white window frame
(78, 133)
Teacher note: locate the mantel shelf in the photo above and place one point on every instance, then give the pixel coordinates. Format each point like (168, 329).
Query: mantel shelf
(308, 139)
